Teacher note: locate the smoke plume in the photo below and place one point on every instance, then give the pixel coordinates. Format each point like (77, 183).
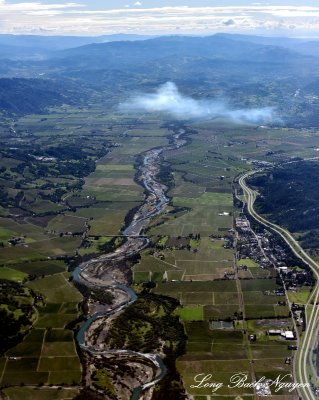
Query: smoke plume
(169, 100)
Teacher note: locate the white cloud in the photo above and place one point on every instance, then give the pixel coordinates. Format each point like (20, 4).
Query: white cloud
(34, 6)
(169, 100)
(73, 18)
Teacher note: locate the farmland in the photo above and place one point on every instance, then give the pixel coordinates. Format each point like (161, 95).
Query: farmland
(201, 273)
(48, 355)
(216, 292)
(191, 257)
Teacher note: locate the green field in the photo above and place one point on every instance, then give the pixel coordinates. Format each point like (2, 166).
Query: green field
(45, 356)
(67, 223)
(11, 274)
(40, 268)
(98, 191)
(300, 296)
(248, 262)
(40, 394)
(191, 313)
(56, 288)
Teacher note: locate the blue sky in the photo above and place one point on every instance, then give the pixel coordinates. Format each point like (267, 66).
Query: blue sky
(93, 17)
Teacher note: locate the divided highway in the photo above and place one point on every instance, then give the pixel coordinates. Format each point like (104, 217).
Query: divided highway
(307, 341)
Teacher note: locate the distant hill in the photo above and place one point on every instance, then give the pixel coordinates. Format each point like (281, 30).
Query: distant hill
(20, 96)
(18, 53)
(38, 47)
(217, 46)
(198, 63)
(245, 71)
(125, 53)
(302, 46)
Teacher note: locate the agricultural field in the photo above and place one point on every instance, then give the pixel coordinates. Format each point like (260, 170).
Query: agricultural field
(41, 393)
(83, 184)
(48, 354)
(198, 260)
(202, 274)
(40, 268)
(12, 275)
(61, 217)
(191, 258)
(45, 356)
(300, 296)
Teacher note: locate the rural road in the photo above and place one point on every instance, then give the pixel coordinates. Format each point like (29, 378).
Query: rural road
(301, 360)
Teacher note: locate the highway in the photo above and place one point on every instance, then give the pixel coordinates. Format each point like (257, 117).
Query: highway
(307, 341)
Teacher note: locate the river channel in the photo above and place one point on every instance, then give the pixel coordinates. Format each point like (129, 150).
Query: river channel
(98, 273)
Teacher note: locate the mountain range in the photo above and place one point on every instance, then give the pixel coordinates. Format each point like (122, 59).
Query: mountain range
(249, 70)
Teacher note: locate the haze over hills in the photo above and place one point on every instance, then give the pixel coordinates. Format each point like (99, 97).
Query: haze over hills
(245, 71)
(63, 42)
(302, 46)
(211, 47)
(38, 47)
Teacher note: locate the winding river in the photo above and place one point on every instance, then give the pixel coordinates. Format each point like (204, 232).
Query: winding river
(99, 273)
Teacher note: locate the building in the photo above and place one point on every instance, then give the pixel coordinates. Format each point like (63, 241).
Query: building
(274, 332)
(288, 335)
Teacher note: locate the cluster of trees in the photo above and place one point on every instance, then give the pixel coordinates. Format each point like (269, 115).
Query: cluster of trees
(13, 325)
(20, 96)
(145, 322)
(112, 244)
(88, 394)
(165, 175)
(68, 159)
(290, 195)
(310, 240)
(101, 295)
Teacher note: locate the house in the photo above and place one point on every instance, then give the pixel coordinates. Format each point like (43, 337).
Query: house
(289, 335)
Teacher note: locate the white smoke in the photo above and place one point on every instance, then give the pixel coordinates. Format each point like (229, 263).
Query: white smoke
(169, 100)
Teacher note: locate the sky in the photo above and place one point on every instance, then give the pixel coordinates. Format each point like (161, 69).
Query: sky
(160, 17)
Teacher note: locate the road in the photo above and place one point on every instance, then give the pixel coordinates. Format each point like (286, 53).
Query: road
(301, 360)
